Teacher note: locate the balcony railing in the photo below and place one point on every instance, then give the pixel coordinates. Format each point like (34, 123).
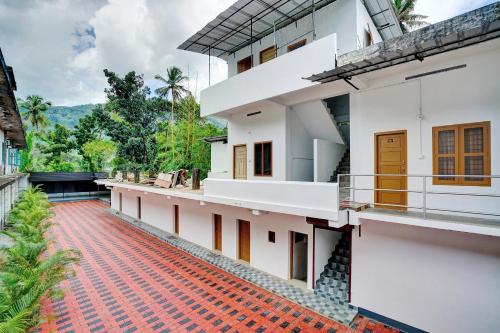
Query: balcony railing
(478, 201)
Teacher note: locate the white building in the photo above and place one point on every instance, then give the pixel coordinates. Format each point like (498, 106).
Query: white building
(412, 234)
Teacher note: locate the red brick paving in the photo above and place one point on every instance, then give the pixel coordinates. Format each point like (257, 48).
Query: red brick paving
(130, 281)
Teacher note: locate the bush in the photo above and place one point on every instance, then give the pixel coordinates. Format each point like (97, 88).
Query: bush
(28, 273)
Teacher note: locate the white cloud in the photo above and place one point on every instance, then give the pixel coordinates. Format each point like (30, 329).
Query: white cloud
(58, 48)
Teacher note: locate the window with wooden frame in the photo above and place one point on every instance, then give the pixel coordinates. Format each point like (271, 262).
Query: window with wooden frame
(263, 159)
(244, 64)
(268, 54)
(297, 45)
(462, 149)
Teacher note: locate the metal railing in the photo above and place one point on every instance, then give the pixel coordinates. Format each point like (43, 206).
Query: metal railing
(425, 191)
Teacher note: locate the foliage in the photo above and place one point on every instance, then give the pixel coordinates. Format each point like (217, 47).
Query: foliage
(27, 153)
(34, 109)
(27, 272)
(99, 153)
(130, 119)
(57, 145)
(174, 87)
(69, 116)
(87, 130)
(407, 19)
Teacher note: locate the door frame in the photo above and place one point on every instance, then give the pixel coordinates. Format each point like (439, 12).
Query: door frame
(291, 236)
(214, 221)
(375, 150)
(234, 158)
(239, 221)
(175, 214)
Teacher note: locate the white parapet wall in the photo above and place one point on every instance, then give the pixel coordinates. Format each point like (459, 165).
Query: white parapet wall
(270, 79)
(298, 198)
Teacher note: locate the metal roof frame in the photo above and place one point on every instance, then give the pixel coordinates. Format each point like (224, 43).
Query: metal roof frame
(468, 29)
(247, 21)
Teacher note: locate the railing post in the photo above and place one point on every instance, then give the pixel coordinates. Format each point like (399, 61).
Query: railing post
(424, 196)
(353, 188)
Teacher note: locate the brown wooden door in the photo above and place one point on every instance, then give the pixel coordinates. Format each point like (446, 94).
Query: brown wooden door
(217, 232)
(244, 64)
(176, 219)
(240, 162)
(267, 54)
(244, 240)
(391, 159)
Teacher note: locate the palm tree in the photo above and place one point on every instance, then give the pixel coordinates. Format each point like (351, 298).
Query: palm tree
(35, 107)
(407, 19)
(175, 88)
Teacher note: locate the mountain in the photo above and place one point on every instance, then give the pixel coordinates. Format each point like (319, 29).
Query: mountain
(68, 115)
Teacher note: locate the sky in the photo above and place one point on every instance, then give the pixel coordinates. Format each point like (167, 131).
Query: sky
(59, 48)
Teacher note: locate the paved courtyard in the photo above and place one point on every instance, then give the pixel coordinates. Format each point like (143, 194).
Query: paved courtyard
(131, 281)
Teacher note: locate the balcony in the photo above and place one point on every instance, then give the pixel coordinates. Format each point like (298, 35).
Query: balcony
(276, 77)
(318, 200)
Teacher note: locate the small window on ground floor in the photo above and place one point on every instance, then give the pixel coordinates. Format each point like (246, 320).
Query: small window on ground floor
(263, 155)
(462, 149)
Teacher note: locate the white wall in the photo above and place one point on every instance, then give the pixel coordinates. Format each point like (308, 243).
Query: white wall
(325, 240)
(219, 157)
(338, 17)
(327, 156)
(362, 22)
(299, 150)
(269, 125)
(460, 96)
(420, 276)
(196, 225)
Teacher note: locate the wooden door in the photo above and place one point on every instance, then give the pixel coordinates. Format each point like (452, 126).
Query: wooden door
(244, 64)
(244, 240)
(176, 219)
(267, 54)
(240, 162)
(217, 232)
(391, 159)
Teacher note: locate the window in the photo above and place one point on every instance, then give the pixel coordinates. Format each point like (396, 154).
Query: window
(267, 54)
(263, 155)
(297, 45)
(271, 237)
(244, 64)
(462, 150)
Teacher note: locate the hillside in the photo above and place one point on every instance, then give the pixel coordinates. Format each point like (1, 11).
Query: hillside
(68, 115)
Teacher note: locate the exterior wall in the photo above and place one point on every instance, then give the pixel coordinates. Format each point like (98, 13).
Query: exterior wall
(364, 21)
(196, 225)
(219, 157)
(299, 150)
(270, 125)
(327, 155)
(419, 276)
(459, 96)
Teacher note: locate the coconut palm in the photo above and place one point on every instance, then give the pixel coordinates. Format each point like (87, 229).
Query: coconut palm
(35, 108)
(407, 19)
(175, 88)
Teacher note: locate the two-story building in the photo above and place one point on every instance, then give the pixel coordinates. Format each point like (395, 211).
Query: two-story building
(360, 162)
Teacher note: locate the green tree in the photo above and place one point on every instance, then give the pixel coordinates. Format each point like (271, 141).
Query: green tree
(34, 109)
(57, 144)
(173, 87)
(27, 153)
(99, 153)
(407, 19)
(130, 119)
(87, 130)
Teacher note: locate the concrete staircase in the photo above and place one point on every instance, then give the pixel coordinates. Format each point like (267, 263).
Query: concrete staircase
(333, 283)
(339, 109)
(344, 167)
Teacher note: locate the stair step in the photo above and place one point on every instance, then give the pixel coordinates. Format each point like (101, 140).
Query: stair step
(336, 300)
(342, 284)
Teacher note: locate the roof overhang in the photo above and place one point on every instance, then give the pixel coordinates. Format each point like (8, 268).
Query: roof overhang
(213, 139)
(10, 119)
(247, 21)
(474, 27)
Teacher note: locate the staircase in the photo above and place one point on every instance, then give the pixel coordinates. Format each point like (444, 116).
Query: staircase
(344, 167)
(333, 283)
(339, 110)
